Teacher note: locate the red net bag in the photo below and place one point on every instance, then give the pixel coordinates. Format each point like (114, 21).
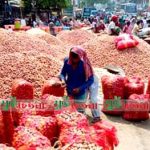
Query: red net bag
(5, 147)
(148, 87)
(100, 138)
(69, 117)
(29, 138)
(124, 44)
(25, 107)
(50, 88)
(106, 135)
(52, 104)
(2, 131)
(137, 108)
(122, 37)
(134, 85)
(77, 137)
(113, 87)
(8, 125)
(22, 89)
(83, 145)
(71, 134)
(45, 125)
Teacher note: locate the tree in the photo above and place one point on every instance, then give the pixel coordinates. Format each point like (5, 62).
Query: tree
(47, 4)
(92, 2)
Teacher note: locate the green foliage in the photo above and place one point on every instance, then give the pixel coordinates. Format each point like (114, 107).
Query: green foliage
(46, 4)
(91, 2)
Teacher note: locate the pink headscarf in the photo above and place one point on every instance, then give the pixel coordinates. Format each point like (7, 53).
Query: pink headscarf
(83, 56)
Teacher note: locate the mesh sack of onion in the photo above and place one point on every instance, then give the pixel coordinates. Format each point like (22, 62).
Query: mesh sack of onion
(28, 137)
(101, 134)
(6, 132)
(112, 86)
(134, 85)
(45, 125)
(137, 108)
(69, 117)
(74, 138)
(83, 145)
(51, 103)
(104, 134)
(2, 131)
(50, 88)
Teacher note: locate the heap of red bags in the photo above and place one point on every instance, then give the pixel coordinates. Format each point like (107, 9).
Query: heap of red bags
(112, 86)
(125, 41)
(137, 108)
(134, 104)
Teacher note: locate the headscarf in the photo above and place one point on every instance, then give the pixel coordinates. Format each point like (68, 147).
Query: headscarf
(83, 57)
(114, 18)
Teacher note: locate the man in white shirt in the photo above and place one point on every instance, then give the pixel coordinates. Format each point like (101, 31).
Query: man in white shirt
(112, 28)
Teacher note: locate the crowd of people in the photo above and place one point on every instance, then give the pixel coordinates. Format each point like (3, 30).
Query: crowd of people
(116, 24)
(112, 24)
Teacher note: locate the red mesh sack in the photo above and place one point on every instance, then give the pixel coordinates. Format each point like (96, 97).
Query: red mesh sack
(77, 137)
(50, 88)
(8, 126)
(51, 103)
(69, 117)
(124, 44)
(45, 125)
(68, 135)
(113, 86)
(134, 85)
(100, 138)
(25, 107)
(108, 132)
(2, 130)
(137, 108)
(5, 147)
(83, 145)
(122, 37)
(29, 138)
(148, 87)
(22, 89)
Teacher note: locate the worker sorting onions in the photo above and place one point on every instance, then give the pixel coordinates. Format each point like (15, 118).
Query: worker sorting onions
(77, 74)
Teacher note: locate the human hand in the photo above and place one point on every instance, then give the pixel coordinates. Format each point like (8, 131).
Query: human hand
(76, 90)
